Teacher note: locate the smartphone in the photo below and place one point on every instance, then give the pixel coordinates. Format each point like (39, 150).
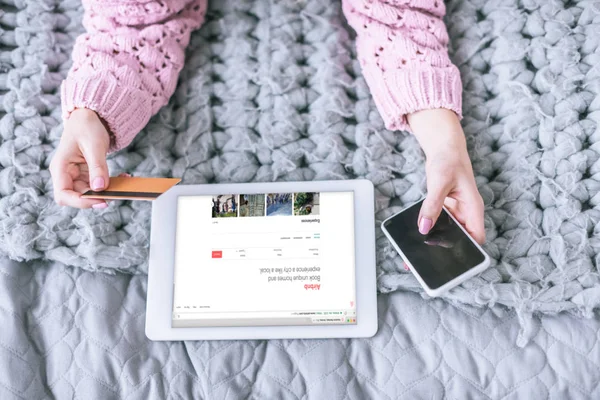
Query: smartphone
(440, 260)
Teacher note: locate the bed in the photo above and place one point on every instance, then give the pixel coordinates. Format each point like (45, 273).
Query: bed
(273, 91)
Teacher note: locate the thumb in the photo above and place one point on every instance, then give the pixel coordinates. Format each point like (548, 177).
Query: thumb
(431, 209)
(95, 158)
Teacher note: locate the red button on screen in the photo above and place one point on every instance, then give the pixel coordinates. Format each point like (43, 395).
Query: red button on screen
(217, 254)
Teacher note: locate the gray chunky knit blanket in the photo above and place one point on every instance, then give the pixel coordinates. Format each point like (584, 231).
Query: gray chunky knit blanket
(273, 91)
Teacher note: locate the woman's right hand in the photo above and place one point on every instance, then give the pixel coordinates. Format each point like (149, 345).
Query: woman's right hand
(79, 163)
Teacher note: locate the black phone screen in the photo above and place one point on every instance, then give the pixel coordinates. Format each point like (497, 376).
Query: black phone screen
(438, 257)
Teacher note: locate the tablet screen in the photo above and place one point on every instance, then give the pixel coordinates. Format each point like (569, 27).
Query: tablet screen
(268, 259)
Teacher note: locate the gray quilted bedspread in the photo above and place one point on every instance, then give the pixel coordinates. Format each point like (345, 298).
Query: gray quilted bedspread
(68, 333)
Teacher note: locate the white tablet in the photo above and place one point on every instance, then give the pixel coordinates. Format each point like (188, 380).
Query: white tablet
(263, 261)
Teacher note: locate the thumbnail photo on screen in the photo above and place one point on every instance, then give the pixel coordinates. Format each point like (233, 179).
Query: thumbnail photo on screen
(306, 203)
(252, 205)
(224, 206)
(279, 204)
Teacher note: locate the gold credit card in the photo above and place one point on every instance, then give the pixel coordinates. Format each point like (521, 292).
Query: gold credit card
(133, 188)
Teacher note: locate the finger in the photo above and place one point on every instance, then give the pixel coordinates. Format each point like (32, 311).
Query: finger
(432, 206)
(454, 207)
(80, 186)
(64, 195)
(451, 204)
(95, 159)
(72, 198)
(61, 177)
(473, 210)
(84, 172)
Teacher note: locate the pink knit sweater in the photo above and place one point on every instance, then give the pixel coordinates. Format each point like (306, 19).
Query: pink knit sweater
(126, 66)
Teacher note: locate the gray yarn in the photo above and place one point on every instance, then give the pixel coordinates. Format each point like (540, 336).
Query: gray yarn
(274, 92)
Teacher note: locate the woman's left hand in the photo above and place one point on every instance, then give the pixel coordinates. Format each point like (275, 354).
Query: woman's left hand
(450, 179)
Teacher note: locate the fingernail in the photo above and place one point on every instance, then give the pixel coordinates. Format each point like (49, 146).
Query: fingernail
(425, 226)
(98, 183)
(100, 205)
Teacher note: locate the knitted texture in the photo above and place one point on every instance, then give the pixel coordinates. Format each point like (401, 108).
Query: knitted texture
(126, 65)
(273, 91)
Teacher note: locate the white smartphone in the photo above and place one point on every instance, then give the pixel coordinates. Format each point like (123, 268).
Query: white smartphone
(440, 260)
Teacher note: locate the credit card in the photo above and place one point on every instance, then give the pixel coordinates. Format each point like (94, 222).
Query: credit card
(133, 188)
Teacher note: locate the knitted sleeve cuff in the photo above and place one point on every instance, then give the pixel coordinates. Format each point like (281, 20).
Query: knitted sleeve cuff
(400, 92)
(123, 108)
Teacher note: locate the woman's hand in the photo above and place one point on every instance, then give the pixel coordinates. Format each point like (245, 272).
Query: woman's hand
(80, 160)
(450, 179)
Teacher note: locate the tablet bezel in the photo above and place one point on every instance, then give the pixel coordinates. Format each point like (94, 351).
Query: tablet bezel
(162, 258)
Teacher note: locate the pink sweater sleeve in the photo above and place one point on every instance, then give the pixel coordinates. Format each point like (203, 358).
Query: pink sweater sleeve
(125, 67)
(402, 48)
